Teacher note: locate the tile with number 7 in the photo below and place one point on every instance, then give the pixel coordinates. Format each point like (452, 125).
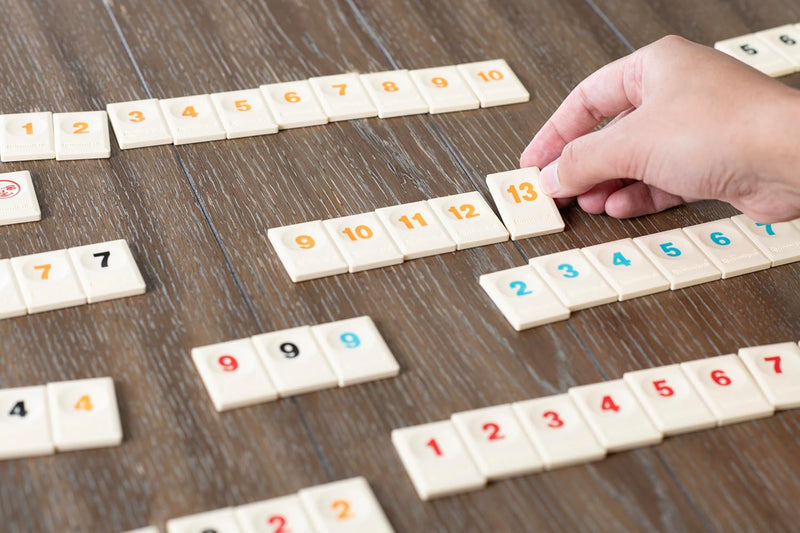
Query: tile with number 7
(776, 369)
(48, 281)
(780, 242)
(107, 270)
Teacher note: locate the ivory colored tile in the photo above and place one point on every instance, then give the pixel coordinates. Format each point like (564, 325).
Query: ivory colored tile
(678, 259)
(728, 248)
(526, 211)
(754, 51)
(444, 89)
(26, 137)
(469, 220)
(18, 201)
(139, 124)
(780, 242)
(81, 135)
(494, 82)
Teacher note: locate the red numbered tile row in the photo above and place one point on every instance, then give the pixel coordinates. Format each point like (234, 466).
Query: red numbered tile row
(60, 136)
(312, 102)
(342, 506)
(65, 278)
(775, 52)
(294, 361)
(552, 286)
(18, 201)
(63, 416)
(492, 443)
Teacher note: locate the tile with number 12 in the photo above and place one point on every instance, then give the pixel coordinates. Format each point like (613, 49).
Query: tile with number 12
(469, 220)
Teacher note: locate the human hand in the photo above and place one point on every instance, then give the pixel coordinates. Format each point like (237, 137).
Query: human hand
(690, 123)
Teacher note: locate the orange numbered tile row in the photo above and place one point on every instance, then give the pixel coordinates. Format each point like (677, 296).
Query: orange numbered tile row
(590, 421)
(293, 361)
(60, 136)
(347, 505)
(65, 278)
(554, 285)
(63, 416)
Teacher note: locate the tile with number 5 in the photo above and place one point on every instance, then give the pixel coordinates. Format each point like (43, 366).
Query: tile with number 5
(244, 113)
(107, 270)
(48, 281)
(678, 258)
(84, 414)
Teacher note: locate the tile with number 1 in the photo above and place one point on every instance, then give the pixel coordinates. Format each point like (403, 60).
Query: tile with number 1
(84, 414)
(780, 241)
(281, 514)
(728, 248)
(18, 201)
(494, 83)
(776, 369)
(81, 135)
(139, 124)
(307, 251)
(244, 113)
(192, 119)
(525, 210)
(25, 423)
(107, 270)
(343, 97)
(363, 242)
(294, 105)
(394, 93)
(469, 220)
(444, 89)
(416, 230)
(626, 269)
(575, 281)
(48, 281)
(347, 506)
(27, 137)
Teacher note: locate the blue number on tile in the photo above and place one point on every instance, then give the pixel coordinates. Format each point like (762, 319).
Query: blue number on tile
(568, 271)
(767, 227)
(719, 238)
(350, 340)
(521, 287)
(669, 249)
(620, 259)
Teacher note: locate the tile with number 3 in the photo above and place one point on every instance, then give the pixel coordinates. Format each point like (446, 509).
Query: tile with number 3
(776, 369)
(107, 270)
(48, 281)
(347, 506)
(84, 414)
(139, 124)
(575, 281)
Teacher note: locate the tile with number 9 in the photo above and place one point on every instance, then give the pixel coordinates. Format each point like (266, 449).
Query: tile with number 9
(444, 89)
(307, 251)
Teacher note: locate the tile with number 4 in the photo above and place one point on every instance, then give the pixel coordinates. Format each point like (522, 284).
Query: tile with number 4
(139, 124)
(469, 220)
(233, 374)
(416, 230)
(618, 420)
(294, 105)
(347, 506)
(48, 281)
(728, 389)
(497, 442)
(24, 423)
(192, 119)
(670, 400)
(84, 414)
(678, 258)
(780, 241)
(757, 53)
(11, 302)
(18, 201)
(444, 89)
(394, 93)
(523, 297)
(343, 97)
(294, 361)
(281, 514)
(776, 369)
(559, 431)
(363, 242)
(494, 83)
(574, 280)
(244, 113)
(728, 248)
(81, 135)
(220, 520)
(626, 269)
(355, 350)
(436, 460)
(107, 270)
(26, 137)
(307, 251)
(525, 210)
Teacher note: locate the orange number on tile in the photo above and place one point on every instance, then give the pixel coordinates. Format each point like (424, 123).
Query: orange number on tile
(136, 116)
(433, 445)
(492, 75)
(305, 242)
(228, 363)
(279, 522)
(343, 509)
(439, 82)
(390, 86)
(609, 405)
(776, 363)
(28, 128)
(493, 430)
(528, 195)
(45, 270)
(291, 97)
(81, 127)
(84, 403)
(467, 209)
(190, 112)
(242, 105)
(555, 420)
(417, 217)
(361, 232)
(342, 87)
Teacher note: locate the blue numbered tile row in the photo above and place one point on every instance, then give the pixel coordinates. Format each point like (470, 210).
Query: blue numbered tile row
(590, 421)
(552, 286)
(294, 361)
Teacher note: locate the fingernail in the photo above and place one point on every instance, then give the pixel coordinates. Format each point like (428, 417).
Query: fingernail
(549, 179)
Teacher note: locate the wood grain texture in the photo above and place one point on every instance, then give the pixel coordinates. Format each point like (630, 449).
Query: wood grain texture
(196, 217)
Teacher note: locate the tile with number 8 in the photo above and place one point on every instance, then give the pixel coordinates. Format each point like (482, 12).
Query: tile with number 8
(525, 210)
(283, 514)
(670, 400)
(294, 105)
(294, 361)
(523, 297)
(574, 280)
(757, 53)
(416, 230)
(780, 241)
(244, 113)
(343, 97)
(139, 124)
(18, 201)
(776, 369)
(469, 220)
(559, 431)
(48, 281)
(436, 460)
(347, 506)
(355, 350)
(24, 423)
(363, 242)
(444, 89)
(219, 520)
(618, 420)
(497, 442)
(307, 251)
(494, 83)
(192, 119)
(728, 248)
(107, 270)
(626, 269)
(81, 135)
(27, 137)
(84, 414)
(11, 302)
(728, 389)
(678, 258)
(394, 93)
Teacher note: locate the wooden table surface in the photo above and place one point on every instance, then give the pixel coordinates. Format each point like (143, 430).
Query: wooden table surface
(196, 219)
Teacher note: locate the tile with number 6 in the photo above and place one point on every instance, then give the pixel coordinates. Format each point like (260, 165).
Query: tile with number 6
(48, 281)
(107, 270)
(523, 297)
(776, 369)
(25, 423)
(81, 135)
(244, 113)
(307, 251)
(347, 506)
(780, 241)
(525, 209)
(363, 242)
(139, 124)
(192, 119)
(233, 374)
(281, 514)
(84, 414)
(294, 105)
(785, 40)
(728, 248)
(217, 521)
